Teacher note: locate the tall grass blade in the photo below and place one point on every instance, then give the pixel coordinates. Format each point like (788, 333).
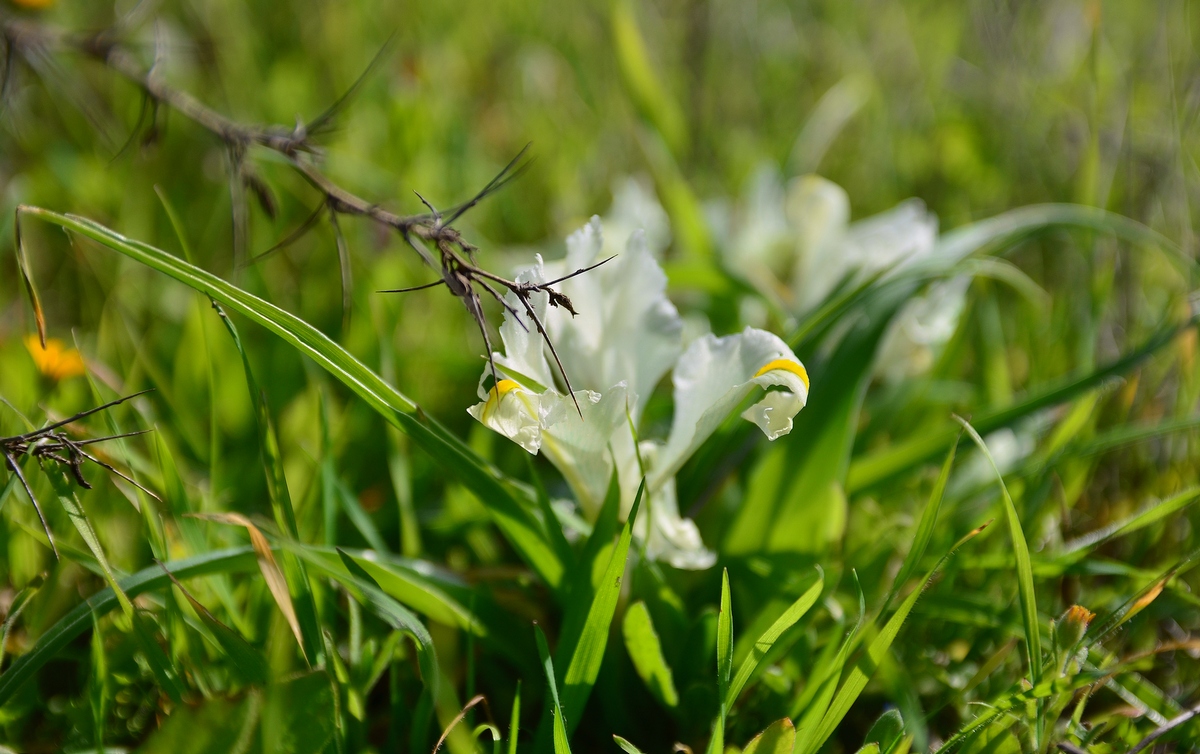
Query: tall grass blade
(924, 534)
(79, 619)
(879, 466)
(1025, 587)
(862, 671)
(510, 515)
(716, 744)
(562, 743)
(763, 645)
(587, 655)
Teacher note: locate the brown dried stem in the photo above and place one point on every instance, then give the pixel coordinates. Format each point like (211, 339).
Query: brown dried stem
(456, 257)
(50, 444)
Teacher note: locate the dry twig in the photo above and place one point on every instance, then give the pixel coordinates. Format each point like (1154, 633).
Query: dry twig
(51, 444)
(430, 231)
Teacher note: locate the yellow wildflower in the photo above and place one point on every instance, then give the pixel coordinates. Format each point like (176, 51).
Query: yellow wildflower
(56, 361)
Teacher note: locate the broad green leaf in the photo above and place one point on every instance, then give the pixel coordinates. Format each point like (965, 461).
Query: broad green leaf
(298, 715)
(79, 619)
(645, 651)
(766, 641)
(887, 731)
(213, 727)
(778, 738)
(513, 519)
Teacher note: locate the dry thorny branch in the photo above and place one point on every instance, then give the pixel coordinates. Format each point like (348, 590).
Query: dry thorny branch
(51, 444)
(36, 44)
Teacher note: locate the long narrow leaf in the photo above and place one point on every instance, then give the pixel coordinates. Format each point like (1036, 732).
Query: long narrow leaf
(514, 520)
(862, 671)
(79, 619)
(879, 466)
(765, 642)
(562, 743)
(1025, 587)
(584, 664)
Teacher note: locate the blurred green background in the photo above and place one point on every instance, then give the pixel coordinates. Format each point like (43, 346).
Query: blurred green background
(975, 107)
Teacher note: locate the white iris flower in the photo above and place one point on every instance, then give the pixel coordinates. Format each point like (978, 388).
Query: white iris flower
(627, 336)
(797, 245)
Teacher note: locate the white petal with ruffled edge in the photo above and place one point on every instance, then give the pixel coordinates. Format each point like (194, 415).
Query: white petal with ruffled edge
(627, 330)
(669, 537)
(900, 236)
(819, 211)
(578, 446)
(715, 374)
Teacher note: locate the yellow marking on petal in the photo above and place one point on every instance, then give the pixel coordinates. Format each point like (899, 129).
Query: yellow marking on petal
(503, 386)
(786, 365)
(55, 360)
(498, 391)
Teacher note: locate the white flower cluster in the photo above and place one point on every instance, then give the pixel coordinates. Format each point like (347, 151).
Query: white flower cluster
(796, 244)
(625, 339)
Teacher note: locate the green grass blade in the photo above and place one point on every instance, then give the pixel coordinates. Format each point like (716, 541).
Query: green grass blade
(716, 744)
(1015, 225)
(625, 745)
(765, 642)
(561, 740)
(517, 524)
(248, 663)
(924, 534)
(1150, 514)
(645, 652)
(15, 608)
(514, 722)
(79, 619)
(588, 653)
(825, 683)
(862, 671)
(882, 465)
(363, 588)
(1025, 586)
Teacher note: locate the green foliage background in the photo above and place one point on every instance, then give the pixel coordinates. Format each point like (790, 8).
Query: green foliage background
(975, 107)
